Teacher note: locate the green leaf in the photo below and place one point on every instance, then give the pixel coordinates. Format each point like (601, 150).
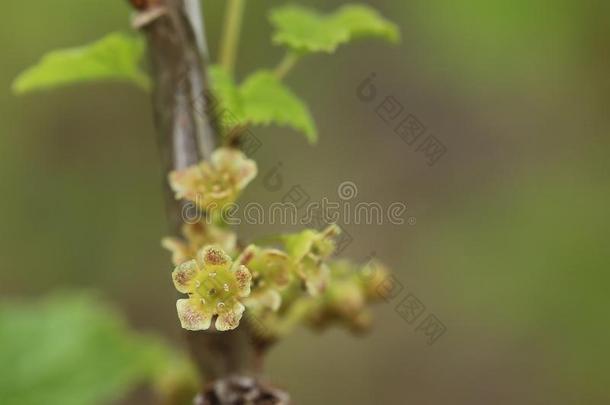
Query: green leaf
(224, 87)
(71, 351)
(266, 100)
(261, 100)
(305, 30)
(365, 22)
(115, 57)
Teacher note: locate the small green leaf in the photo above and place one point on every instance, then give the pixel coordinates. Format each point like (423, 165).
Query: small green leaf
(71, 351)
(365, 22)
(267, 101)
(224, 87)
(261, 100)
(114, 57)
(304, 30)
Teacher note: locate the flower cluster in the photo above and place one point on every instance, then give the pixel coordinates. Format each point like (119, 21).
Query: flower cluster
(308, 251)
(294, 281)
(350, 291)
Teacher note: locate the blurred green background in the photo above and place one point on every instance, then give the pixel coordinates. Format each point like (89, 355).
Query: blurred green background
(510, 246)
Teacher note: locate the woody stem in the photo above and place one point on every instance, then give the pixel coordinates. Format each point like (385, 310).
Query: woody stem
(174, 32)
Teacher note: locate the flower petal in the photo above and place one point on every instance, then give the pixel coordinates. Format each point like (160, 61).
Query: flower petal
(325, 245)
(212, 256)
(300, 244)
(271, 299)
(185, 182)
(229, 319)
(331, 231)
(184, 276)
(247, 255)
(244, 279)
(224, 157)
(309, 241)
(247, 172)
(192, 315)
(277, 267)
(373, 276)
(315, 275)
(232, 161)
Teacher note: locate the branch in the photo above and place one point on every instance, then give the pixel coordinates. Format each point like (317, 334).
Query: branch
(286, 65)
(193, 11)
(174, 31)
(186, 134)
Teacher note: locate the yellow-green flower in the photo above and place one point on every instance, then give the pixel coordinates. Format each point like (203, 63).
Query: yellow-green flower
(308, 250)
(215, 286)
(212, 185)
(271, 272)
(344, 300)
(320, 244)
(196, 236)
(372, 278)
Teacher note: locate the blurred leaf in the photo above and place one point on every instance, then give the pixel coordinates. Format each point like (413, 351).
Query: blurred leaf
(365, 22)
(262, 100)
(266, 100)
(71, 351)
(226, 90)
(305, 30)
(114, 57)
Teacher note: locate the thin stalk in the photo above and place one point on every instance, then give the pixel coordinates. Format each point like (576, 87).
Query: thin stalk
(286, 65)
(230, 38)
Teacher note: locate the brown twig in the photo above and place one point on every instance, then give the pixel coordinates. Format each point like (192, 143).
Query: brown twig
(185, 136)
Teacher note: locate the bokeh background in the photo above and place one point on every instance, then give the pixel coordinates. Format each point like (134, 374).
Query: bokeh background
(510, 246)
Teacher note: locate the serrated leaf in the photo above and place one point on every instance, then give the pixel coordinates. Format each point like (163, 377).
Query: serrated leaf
(115, 57)
(305, 30)
(71, 351)
(261, 100)
(267, 101)
(366, 22)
